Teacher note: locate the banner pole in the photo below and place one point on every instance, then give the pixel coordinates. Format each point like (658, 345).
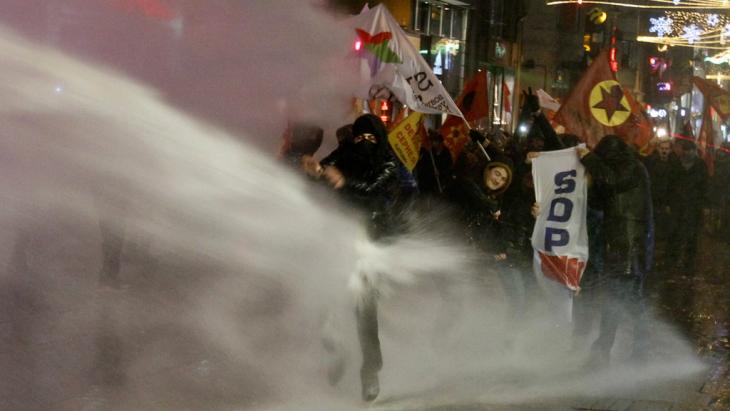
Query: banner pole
(435, 171)
(481, 147)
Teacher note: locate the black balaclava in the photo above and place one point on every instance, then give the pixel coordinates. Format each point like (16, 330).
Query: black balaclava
(366, 155)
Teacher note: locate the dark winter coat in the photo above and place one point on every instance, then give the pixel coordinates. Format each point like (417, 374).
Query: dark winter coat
(663, 175)
(476, 204)
(690, 186)
(623, 181)
(425, 171)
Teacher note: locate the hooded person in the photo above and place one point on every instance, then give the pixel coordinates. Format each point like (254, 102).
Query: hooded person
(480, 182)
(623, 184)
(477, 190)
(365, 171)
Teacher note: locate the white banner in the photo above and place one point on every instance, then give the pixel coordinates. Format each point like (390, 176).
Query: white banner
(391, 65)
(546, 101)
(560, 237)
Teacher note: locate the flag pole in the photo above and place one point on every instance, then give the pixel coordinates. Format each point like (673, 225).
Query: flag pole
(481, 147)
(435, 170)
(501, 101)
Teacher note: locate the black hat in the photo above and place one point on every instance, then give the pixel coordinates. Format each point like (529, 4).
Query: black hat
(370, 124)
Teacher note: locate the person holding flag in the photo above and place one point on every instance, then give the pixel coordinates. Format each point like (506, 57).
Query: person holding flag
(621, 178)
(476, 191)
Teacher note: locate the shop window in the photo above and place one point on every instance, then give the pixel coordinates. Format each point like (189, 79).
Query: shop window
(435, 16)
(422, 17)
(457, 23)
(439, 20)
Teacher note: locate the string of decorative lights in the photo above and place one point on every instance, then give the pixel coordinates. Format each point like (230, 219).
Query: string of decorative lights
(690, 29)
(676, 21)
(681, 27)
(654, 4)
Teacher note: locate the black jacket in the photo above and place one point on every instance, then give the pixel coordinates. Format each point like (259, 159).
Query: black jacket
(371, 175)
(663, 175)
(476, 205)
(623, 181)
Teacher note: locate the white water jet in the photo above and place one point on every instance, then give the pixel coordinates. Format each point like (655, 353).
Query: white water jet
(230, 266)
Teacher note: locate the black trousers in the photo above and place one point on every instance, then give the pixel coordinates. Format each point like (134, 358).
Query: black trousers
(366, 314)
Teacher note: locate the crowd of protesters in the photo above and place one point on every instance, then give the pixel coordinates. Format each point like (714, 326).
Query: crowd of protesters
(638, 207)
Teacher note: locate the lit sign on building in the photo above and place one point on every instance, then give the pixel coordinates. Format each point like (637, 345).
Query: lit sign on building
(657, 113)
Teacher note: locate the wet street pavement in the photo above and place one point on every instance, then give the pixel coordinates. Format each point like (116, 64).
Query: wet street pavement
(698, 301)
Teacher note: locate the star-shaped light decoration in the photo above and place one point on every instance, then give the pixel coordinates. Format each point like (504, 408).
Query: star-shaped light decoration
(661, 26)
(692, 33)
(713, 20)
(611, 101)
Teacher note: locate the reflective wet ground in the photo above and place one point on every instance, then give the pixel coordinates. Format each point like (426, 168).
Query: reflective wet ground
(698, 302)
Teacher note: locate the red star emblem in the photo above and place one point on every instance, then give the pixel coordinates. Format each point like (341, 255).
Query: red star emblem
(611, 101)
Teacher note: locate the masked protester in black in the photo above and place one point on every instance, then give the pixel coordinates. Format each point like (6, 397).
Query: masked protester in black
(627, 228)
(366, 172)
(370, 172)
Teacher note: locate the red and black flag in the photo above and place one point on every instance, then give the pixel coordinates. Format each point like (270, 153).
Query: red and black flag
(598, 106)
(473, 104)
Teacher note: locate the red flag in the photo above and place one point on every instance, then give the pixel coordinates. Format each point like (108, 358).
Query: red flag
(598, 106)
(506, 101)
(715, 96)
(473, 104)
(717, 101)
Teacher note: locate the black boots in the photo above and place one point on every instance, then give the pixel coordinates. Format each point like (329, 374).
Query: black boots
(370, 384)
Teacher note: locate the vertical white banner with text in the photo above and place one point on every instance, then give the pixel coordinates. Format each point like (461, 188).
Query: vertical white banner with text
(560, 236)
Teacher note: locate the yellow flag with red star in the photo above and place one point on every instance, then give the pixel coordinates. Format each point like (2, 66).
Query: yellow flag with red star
(598, 106)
